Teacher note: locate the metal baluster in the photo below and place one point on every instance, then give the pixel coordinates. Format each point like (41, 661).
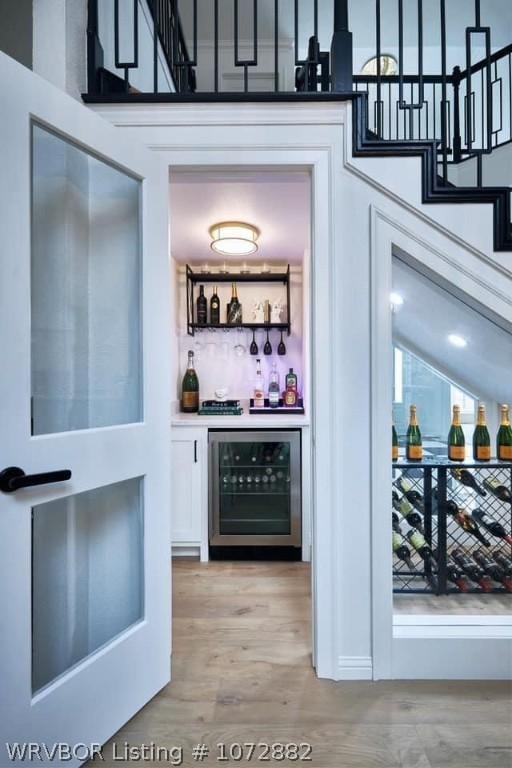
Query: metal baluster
(155, 45)
(444, 133)
(276, 45)
(126, 65)
(216, 45)
(441, 529)
(457, 141)
(341, 50)
(379, 66)
(246, 63)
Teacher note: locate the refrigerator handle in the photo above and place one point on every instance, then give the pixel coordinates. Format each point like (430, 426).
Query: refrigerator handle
(195, 451)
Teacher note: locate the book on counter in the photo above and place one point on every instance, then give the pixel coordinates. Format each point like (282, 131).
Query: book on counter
(220, 408)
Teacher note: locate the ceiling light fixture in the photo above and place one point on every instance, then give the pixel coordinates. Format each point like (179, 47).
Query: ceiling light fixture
(234, 238)
(396, 300)
(457, 341)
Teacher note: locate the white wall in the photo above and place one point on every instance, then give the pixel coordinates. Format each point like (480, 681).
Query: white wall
(262, 134)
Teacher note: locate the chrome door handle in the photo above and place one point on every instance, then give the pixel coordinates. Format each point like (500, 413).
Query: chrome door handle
(14, 478)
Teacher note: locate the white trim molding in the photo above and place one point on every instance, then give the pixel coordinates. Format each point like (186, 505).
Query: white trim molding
(355, 668)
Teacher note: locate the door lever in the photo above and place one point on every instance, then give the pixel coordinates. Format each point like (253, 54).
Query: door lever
(14, 478)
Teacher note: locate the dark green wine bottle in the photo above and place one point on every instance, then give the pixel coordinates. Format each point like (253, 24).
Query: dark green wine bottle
(504, 438)
(214, 308)
(190, 388)
(481, 437)
(202, 307)
(456, 439)
(414, 448)
(395, 452)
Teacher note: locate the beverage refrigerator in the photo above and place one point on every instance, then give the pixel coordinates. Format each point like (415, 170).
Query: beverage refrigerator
(255, 488)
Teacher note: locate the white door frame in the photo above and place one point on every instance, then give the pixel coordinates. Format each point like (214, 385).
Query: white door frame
(421, 646)
(223, 138)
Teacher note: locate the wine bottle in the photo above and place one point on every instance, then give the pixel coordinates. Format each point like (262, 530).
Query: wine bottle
(408, 513)
(202, 306)
(234, 308)
(395, 450)
(214, 308)
(504, 437)
(481, 437)
(455, 576)
(492, 570)
(190, 388)
(467, 523)
(504, 562)
(456, 439)
(410, 493)
(401, 550)
(396, 522)
(498, 489)
(493, 526)
(472, 570)
(273, 387)
(417, 541)
(465, 477)
(259, 386)
(414, 446)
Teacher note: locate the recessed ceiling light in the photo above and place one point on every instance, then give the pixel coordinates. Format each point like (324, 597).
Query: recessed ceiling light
(457, 341)
(396, 300)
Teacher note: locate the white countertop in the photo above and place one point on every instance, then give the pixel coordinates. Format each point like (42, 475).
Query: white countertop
(245, 421)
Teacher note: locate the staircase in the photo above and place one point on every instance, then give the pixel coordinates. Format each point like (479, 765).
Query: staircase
(455, 118)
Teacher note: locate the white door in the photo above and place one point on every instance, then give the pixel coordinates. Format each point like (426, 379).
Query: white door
(84, 387)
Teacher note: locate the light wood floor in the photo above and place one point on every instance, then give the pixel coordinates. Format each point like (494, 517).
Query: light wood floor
(242, 673)
(476, 605)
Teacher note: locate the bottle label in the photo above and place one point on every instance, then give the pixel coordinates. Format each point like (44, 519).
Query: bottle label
(394, 454)
(457, 452)
(259, 398)
(505, 452)
(415, 452)
(290, 397)
(483, 452)
(417, 540)
(190, 399)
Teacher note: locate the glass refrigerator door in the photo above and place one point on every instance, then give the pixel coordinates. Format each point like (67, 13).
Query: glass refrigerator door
(254, 488)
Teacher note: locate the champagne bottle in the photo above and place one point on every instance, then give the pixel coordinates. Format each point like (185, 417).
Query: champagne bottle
(408, 513)
(492, 570)
(234, 308)
(214, 308)
(456, 439)
(190, 388)
(466, 522)
(481, 437)
(202, 306)
(401, 550)
(395, 450)
(504, 562)
(465, 477)
(493, 526)
(414, 449)
(498, 489)
(504, 438)
(473, 571)
(417, 541)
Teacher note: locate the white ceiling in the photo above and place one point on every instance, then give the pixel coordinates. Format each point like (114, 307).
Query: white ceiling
(430, 313)
(277, 202)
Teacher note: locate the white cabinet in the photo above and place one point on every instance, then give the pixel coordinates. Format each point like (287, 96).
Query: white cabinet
(189, 496)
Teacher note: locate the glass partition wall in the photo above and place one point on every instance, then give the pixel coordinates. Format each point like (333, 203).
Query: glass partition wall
(452, 519)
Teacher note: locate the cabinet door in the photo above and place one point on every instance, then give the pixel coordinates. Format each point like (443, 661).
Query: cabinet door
(186, 469)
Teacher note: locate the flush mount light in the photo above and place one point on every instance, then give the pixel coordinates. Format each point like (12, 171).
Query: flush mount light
(457, 341)
(396, 300)
(234, 238)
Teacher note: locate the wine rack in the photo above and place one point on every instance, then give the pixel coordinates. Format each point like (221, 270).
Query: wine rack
(438, 491)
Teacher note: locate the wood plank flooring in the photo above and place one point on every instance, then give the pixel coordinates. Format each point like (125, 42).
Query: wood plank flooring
(477, 605)
(242, 673)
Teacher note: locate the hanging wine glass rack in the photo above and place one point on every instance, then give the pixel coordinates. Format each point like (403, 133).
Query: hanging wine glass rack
(433, 489)
(196, 278)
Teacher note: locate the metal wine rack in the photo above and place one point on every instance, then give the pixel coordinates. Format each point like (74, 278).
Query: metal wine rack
(434, 481)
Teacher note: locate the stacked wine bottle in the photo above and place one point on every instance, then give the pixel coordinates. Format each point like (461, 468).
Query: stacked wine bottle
(452, 529)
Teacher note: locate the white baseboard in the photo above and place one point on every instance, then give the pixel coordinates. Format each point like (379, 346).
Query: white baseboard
(355, 668)
(192, 550)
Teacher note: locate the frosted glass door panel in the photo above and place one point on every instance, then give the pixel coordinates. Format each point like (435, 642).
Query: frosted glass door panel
(85, 290)
(87, 575)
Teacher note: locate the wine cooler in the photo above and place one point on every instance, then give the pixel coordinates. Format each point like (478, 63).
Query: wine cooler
(452, 527)
(255, 488)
